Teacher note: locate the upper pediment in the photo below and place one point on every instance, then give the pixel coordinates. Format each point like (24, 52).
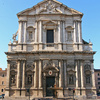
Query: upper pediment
(49, 7)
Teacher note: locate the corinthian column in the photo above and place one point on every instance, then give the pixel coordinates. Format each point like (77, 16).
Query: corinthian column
(18, 74)
(23, 82)
(8, 73)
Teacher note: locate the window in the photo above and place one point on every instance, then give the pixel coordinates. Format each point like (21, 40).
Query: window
(2, 82)
(3, 75)
(99, 87)
(1, 90)
(50, 36)
(98, 78)
(98, 82)
(98, 74)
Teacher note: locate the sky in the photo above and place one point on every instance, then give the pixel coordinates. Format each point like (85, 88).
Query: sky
(90, 23)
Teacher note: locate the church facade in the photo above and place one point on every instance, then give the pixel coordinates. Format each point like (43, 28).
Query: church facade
(50, 52)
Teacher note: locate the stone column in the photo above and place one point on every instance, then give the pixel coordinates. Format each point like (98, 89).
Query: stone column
(74, 31)
(23, 81)
(40, 74)
(76, 69)
(25, 32)
(60, 73)
(92, 70)
(82, 76)
(35, 74)
(18, 74)
(8, 73)
(20, 32)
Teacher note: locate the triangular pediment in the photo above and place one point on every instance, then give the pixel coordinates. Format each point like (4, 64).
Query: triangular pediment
(49, 7)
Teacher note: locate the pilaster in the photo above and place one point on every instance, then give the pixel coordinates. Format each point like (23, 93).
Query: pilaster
(20, 32)
(25, 32)
(92, 71)
(40, 73)
(23, 79)
(76, 69)
(60, 74)
(8, 73)
(74, 31)
(18, 73)
(35, 77)
(82, 76)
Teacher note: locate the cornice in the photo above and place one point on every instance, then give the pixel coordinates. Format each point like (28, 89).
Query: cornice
(53, 52)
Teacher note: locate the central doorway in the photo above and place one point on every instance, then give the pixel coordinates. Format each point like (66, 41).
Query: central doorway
(50, 81)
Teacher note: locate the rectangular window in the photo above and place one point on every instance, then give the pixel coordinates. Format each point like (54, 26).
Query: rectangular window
(2, 82)
(1, 90)
(50, 36)
(98, 82)
(98, 78)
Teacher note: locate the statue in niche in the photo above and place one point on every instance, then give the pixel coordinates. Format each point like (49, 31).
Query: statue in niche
(29, 79)
(71, 79)
(87, 79)
(13, 79)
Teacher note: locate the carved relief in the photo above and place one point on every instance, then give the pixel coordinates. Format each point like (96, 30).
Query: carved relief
(50, 8)
(13, 66)
(30, 66)
(87, 67)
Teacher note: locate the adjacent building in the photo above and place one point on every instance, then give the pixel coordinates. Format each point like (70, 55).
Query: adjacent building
(97, 80)
(50, 51)
(3, 79)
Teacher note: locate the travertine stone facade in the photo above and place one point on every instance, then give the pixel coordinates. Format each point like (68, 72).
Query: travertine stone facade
(50, 46)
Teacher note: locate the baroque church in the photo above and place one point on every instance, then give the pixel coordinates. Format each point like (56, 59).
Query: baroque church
(50, 52)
